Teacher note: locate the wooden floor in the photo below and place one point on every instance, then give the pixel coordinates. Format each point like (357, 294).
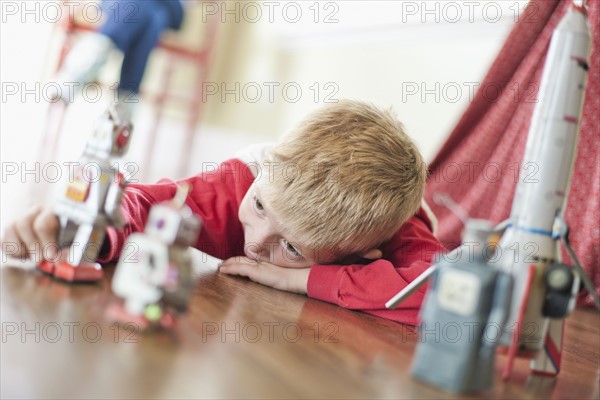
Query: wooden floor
(239, 340)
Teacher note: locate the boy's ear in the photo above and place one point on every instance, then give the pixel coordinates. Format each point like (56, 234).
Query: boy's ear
(373, 254)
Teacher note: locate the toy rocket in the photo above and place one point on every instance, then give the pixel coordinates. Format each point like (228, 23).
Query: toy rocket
(528, 249)
(544, 288)
(92, 202)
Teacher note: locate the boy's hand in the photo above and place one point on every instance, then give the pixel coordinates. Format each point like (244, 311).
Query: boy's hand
(33, 236)
(288, 279)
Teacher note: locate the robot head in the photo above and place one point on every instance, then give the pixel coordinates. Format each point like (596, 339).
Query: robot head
(477, 234)
(111, 136)
(172, 222)
(173, 226)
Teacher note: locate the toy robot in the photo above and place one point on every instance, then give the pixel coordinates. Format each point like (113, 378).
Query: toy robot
(91, 203)
(154, 273)
(462, 317)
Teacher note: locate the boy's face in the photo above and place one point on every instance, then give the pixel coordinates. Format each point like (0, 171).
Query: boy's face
(267, 239)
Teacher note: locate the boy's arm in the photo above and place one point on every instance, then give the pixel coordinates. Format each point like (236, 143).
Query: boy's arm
(214, 196)
(367, 287)
(137, 201)
(289, 279)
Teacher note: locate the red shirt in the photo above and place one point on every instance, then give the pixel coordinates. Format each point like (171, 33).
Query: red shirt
(216, 196)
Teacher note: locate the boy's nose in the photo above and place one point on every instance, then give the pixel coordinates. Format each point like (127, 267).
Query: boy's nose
(256, 252)
(259, 242)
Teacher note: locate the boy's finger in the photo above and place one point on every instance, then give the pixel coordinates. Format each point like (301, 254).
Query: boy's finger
(238, 260)
(236, 269)
(46, 227)
(11, 244)
(229, 268)
(25, 233)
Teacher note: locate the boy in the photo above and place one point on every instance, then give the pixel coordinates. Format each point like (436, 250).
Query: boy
(333, 211)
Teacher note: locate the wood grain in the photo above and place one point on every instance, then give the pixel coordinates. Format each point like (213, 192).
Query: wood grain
(238, 340)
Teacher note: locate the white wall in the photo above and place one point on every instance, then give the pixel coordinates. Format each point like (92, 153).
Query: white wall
(375, 51)
(418, 57)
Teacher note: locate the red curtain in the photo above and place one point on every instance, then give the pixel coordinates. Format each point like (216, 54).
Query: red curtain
(479, 164)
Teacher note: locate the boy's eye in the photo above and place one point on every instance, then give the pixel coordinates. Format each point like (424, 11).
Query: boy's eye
(291, 249)
(258, 206)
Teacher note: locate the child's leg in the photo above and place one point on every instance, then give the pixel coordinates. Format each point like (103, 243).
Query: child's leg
(135, 26)
(123, 21)
(81, 66)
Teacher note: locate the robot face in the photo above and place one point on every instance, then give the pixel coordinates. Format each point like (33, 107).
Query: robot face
(173, 226)
(458, 292)
(163, 224)
(101, 139)
(110, 137)
(121, 136)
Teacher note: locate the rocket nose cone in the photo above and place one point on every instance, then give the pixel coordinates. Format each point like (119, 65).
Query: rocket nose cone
(575, 20)
(579, 8)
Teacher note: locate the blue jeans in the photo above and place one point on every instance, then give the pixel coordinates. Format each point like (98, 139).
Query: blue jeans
(135, 27)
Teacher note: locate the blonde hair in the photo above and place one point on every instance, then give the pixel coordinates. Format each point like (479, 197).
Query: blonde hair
(346, 178)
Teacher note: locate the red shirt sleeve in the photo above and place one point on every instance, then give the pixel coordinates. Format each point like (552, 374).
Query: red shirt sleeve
(215, 197)
(368, 287)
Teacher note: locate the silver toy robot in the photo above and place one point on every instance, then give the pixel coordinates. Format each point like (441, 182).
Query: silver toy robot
(462, 317)
(154, 273)
(91, 203)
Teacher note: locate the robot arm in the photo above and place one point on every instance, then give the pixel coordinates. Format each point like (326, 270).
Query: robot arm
(112, 203)
(500, 306)
(417, 283)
